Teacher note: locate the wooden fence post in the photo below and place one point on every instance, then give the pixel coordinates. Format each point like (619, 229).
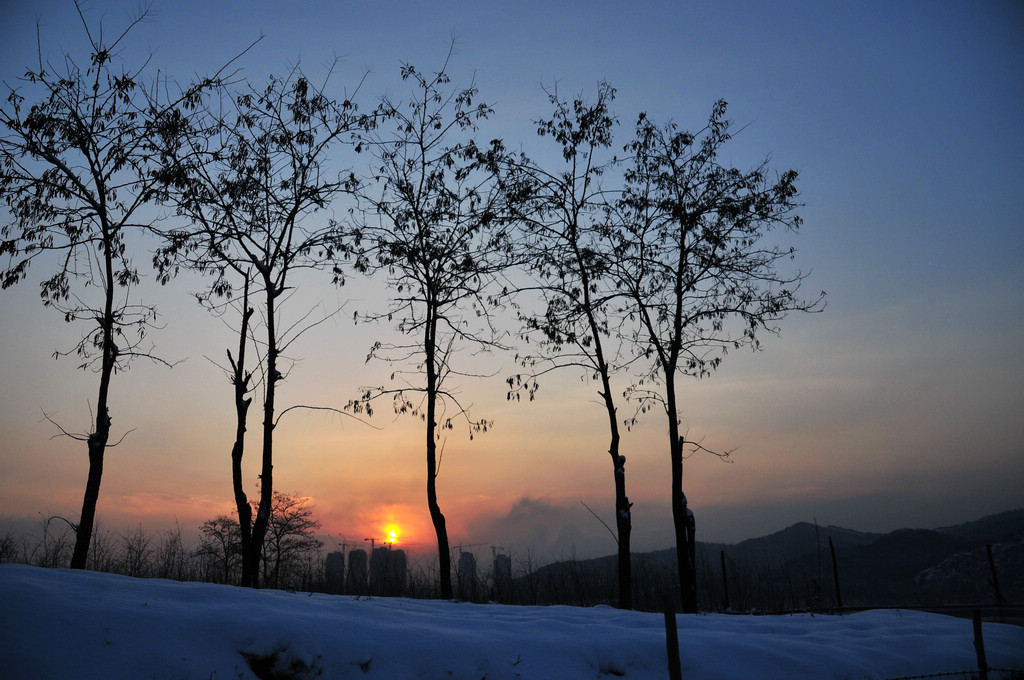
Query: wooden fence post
(675, 672)
(979, 646)
(1000, 600)
(835, 573)
(725, 582)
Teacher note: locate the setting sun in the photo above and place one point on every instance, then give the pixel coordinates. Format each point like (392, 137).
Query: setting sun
(392, 533)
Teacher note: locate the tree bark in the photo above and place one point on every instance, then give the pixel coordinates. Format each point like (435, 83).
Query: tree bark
(682, 518)
(97, 441)
(241, 380)
(259, 528)
(444, 557)
(623, 524)
(83, 532)
(623, 517)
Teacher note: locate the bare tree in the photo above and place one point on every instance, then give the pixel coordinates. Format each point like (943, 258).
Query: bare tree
(136, 553)
(102, 553)
(439, 230)
(172, 559)
(569, 251)
(250, 173)
(75, 179)
(290, 538)
(54, 546)
(8, 546)
(221, 544)
(702, 278)
(289, 544)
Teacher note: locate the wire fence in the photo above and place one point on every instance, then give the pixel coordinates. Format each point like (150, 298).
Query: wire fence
(989, 674)
(983, 672)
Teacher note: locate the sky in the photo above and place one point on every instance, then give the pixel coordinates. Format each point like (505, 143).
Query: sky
(105, 623)
(898, 406)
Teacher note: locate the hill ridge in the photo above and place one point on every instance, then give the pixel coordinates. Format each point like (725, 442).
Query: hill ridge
(792, 568)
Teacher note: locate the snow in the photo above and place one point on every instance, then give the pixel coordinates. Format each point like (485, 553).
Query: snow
(74, 624)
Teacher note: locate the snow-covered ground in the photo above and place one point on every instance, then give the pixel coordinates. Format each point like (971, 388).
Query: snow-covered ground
(66, 624)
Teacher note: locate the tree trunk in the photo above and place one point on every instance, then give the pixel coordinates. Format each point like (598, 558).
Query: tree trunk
(97, 442)
(682, 518)
(241, 500)
(259, 528)
(684, 529)
(444, 557)
(623, 518)
(623, 515)
(241, 380)
(83, 532)
(443, 548)
(624, 526)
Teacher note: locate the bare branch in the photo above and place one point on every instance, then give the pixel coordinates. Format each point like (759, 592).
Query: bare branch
(603, 523)
(324, 408)
(63, 432)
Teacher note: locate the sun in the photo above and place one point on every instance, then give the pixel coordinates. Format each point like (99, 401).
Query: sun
(392, 533)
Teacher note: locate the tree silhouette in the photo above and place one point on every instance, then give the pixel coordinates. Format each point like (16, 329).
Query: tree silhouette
(290, 538)
(76, 161)
(438, 229)
(702, 279)
(220, 544)
(290, 541)
(249, 174)
(569, 250)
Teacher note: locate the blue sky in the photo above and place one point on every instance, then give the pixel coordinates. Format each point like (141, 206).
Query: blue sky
(898, 406)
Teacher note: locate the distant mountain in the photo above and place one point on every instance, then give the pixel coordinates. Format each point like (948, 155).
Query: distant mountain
(792, 569)
(1005, 526)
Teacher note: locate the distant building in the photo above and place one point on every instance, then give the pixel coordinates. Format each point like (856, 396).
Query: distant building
(388, 572)
(355, 582)
(334, 569)
(466, 573)
(502, 579)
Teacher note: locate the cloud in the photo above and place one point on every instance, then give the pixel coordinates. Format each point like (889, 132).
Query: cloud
(545, 528)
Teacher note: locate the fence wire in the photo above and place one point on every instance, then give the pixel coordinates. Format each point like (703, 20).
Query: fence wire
(992, 674)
